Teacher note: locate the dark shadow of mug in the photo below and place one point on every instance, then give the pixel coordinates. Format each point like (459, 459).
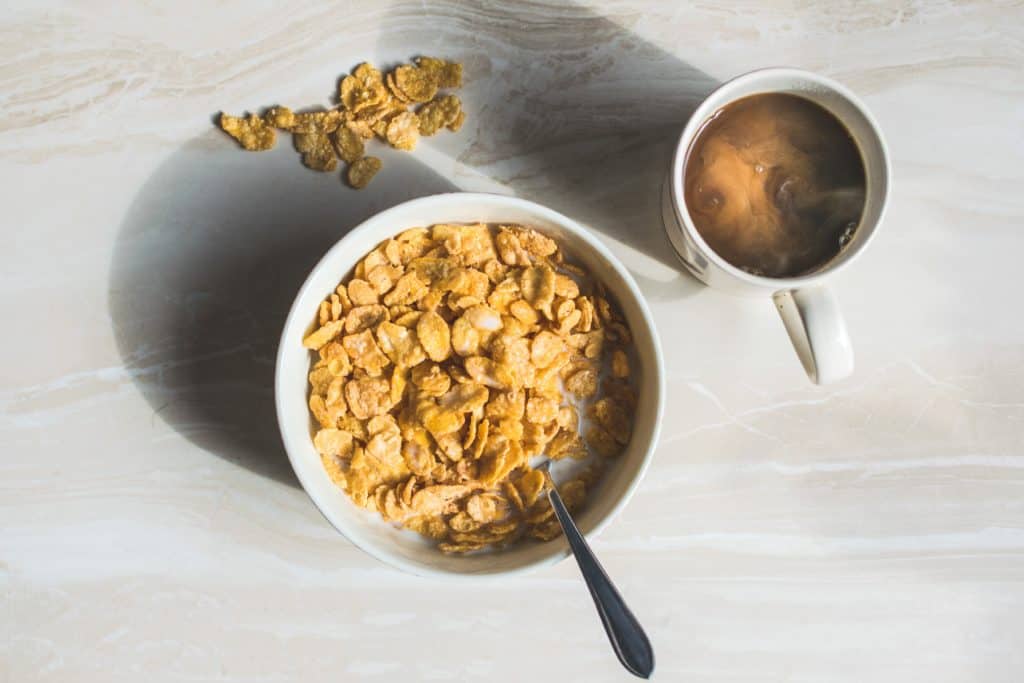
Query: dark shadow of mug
(572, 110)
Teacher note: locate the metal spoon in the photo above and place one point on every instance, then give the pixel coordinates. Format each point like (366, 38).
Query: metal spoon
(624, 632)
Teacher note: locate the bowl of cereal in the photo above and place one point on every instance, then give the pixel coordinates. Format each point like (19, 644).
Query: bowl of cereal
(438, 353)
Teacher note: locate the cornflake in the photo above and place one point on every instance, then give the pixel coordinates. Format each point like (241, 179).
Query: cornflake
(443, 111)
(370, 104)
(455, 354)
(316, 151)
(348, 144)
(252, 132)
(361, 172)
(416, 84)
(403, 131)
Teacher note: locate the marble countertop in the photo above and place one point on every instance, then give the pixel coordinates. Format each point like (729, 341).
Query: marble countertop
(150, 526)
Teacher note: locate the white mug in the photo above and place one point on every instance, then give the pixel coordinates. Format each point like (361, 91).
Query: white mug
(808, 309)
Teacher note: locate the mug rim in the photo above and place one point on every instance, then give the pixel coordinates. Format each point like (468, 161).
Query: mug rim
(719, 98)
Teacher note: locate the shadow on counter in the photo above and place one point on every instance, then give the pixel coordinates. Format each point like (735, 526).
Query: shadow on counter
(217, 242)
(208, 261)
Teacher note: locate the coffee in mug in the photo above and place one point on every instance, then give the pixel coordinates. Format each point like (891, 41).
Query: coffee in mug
(775, 184)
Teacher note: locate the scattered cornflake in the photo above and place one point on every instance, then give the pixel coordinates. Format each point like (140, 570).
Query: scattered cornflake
(348, 144)
(371, 104)
(403, 131)
(418, 85)
(252, 132)
(316, 151)
(361, 172)
(448, 74)
(439, 113)
(280, 117)
(316, 122)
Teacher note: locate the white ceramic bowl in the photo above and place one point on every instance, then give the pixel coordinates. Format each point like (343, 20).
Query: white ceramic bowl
(403, 549)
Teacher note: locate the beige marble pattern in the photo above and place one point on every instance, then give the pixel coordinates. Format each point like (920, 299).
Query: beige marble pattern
(150, 527)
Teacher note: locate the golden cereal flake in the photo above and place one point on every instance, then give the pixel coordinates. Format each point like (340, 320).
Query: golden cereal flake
(320, 379)
(368, 396)
(431, 379)
(348, 144)
(530, 486)
(333, 395)
(436, 500)
(587, 314)
(335, 307)
(362, 293)
(602, 442)
(326, 416)
(382, 278)
(407, 490)
(364, 88)
(435, 336)
(524, 312)
(251, 132)
(280, 117)
(365, 317)
(487, 507)
(535, 243)
(400, 344)
(418, 85)
(365, 353)
(545, 348)
(321, 122)
(418, 454)
(381, 114)
(438, 113)
(407, 290)
(323, 335)
(538, 286)
(613, 417)
(403, 131)
(541, 410)
(389, 80)
(362, 171)
(449, 74)
(582, 383)
(464, 398)
(456, 123)
(360, 128)
(566, 287)
(506, 404)
(566, 444)
(317, 152)
(426, 525)
(335, 442)
(463, 523)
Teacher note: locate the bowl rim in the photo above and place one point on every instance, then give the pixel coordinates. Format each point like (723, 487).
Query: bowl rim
(294, 323)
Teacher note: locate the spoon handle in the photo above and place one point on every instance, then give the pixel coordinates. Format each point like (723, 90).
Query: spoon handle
(624, 632)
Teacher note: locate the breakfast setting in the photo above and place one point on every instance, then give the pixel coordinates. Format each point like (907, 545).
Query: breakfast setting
(513, 341)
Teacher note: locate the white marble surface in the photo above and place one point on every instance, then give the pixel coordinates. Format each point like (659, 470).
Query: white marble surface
(150, 528)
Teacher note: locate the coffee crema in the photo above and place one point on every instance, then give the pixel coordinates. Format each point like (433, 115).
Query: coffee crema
(775, 184)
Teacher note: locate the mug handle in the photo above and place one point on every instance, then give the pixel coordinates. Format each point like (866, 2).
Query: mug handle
(818, 332)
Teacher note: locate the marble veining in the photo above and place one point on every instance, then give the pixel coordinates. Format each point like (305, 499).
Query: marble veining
(150, 526)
